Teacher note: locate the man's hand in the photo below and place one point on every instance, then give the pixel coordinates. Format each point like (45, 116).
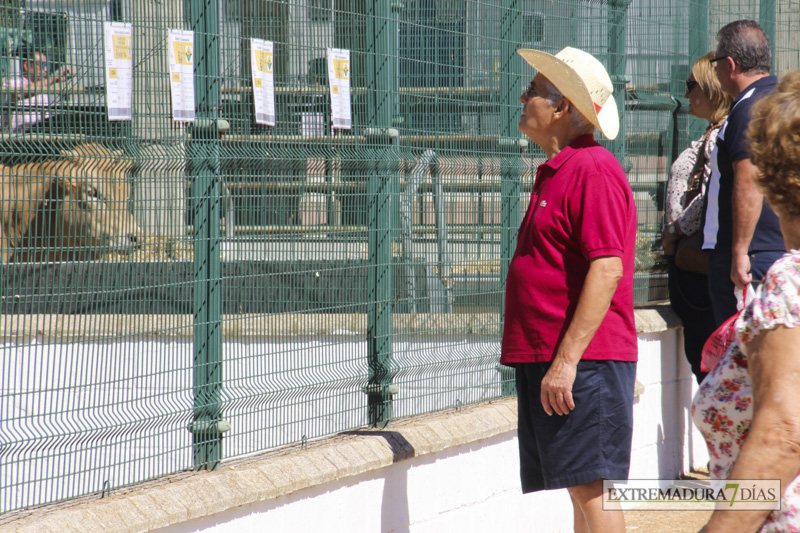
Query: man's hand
(557, 388)
(740, 270)
(669, 242)
(63, 74)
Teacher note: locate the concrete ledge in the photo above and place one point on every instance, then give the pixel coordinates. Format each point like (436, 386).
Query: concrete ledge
(652, 318)
(656, 318)
(190, 495)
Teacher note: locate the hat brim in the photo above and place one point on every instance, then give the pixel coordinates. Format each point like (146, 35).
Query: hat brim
(572, 86)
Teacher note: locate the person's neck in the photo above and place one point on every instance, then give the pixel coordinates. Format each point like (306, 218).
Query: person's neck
(557, 141)
(745, 81)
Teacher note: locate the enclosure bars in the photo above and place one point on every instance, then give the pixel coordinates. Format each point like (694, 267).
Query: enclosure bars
(766, 17)
(207, 425)
(617, 64)
(510, 179)
(440, 285)
(379, 47)
(698, 47)
(406, 217)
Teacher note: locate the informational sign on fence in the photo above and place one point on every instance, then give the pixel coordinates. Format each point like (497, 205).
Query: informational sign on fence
(339, 81)
(118, 37)
(181, 74)
(262, 61)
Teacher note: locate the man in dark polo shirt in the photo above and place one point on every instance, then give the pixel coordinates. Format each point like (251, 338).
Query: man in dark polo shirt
(569, 327)
(740, 226)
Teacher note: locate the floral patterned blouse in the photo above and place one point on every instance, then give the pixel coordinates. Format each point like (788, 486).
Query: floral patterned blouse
(723, 406)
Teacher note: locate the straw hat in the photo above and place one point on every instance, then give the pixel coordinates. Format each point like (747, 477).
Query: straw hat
(583, 80)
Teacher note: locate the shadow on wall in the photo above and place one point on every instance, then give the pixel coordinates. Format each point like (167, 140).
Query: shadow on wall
(395, 515)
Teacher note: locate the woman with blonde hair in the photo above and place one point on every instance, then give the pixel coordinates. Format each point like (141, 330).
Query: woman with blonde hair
(682, 236)
(747, 406)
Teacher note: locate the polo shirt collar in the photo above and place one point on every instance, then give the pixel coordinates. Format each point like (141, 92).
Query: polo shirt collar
(767, 81)
(568, 151)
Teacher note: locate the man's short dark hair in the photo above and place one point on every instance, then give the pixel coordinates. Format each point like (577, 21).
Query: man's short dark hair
(27, 53)
(746, 42)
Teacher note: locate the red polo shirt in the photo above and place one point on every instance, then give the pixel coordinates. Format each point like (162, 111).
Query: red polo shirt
(581, 208)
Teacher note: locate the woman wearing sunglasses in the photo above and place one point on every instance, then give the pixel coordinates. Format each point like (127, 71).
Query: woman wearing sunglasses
(682, 236)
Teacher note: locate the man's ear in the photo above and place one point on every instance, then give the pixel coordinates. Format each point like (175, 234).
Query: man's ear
(25, 67)
(562, 107)
(732, 64)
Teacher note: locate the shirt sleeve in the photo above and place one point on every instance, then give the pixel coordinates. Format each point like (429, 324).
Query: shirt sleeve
(602, 222)
(15, 83)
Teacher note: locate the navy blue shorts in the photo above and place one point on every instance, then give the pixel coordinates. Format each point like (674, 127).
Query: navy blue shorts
(592, 442)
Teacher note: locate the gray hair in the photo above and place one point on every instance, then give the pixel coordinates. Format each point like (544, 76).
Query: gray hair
(746, 42)
(579, 123)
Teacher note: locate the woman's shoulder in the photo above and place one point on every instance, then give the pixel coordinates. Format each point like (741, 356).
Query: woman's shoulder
(784, 270)
(776, 301)
(712, 140)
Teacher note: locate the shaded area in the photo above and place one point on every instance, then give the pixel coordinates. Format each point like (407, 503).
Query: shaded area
(247, 287)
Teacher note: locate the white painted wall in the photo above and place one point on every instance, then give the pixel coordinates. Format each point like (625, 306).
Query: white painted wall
(470, 488)
(665, 442)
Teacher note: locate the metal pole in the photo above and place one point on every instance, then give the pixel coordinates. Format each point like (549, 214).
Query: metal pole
(442, 297)
(699, 45)
(208, 425)
(510, 186)
(766, 17)
(698, 29)
(406, 217)
(378, 50)
(617, 63)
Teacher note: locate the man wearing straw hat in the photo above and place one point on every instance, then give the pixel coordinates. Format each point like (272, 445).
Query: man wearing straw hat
(569, 328)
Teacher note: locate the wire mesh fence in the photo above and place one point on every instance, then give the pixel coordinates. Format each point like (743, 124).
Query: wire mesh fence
(231, 225)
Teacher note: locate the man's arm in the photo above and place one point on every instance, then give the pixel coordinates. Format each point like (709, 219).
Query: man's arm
(27, 89)
(595, 299)
(746, 204)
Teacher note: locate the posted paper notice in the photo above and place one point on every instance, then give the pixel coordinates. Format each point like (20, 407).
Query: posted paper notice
(118, 37)
(181, 74)
(262, 62)
(339, 76)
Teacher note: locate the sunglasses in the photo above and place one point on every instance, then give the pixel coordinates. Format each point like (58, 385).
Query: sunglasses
(718, 58)
(530, 91)
(691, 84)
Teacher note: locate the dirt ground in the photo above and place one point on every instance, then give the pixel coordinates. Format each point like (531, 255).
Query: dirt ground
(668, 521)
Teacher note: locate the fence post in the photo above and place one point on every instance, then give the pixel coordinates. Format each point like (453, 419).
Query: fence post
(698, 29)
(379, 49)
(207, 425)
(510, 185)
(617, 63)
(766, 17)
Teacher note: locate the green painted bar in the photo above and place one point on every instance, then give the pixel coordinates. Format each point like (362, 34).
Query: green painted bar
(174, 295)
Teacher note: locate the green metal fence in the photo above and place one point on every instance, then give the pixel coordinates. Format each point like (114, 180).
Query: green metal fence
(183, 283)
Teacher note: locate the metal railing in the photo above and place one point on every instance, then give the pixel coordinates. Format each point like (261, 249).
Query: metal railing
(173, 294)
